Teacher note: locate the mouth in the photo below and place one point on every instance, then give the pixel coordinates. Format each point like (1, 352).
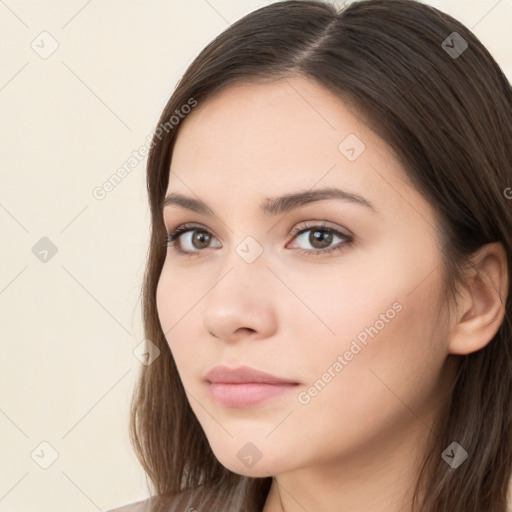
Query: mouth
(244, 386)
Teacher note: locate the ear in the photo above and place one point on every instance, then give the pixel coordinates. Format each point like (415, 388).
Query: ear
(482, 306)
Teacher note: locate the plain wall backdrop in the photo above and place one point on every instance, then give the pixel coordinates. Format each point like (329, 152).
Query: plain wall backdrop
(82, 85)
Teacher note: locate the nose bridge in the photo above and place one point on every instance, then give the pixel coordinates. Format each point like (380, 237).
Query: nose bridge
(243, 271)
(240, 296)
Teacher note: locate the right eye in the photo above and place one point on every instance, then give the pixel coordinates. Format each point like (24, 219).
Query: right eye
(191, 236)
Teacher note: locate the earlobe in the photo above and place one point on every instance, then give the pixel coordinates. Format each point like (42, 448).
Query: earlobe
(483, 303)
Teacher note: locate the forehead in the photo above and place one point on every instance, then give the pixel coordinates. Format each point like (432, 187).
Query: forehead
(265, 139)
(276, 122)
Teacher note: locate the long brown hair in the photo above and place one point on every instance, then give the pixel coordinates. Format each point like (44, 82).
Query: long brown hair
(448, 118)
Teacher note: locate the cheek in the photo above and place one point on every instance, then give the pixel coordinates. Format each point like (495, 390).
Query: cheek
(174, 297)
(176, 313)
(385, 360)
(341, 299)
(168, 308)
(381, 320)
(352, 308)
(163, 302)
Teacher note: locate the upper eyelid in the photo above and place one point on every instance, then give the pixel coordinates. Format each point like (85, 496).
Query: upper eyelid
(190, 226)
(310, 224)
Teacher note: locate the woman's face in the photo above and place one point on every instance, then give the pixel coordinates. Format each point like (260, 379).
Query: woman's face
(354, 326)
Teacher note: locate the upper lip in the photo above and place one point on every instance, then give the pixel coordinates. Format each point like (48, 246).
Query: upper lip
(240, 374)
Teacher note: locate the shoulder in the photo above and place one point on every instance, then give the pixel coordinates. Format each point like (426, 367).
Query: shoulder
(136, 506)
(189, 499)
(184, 501)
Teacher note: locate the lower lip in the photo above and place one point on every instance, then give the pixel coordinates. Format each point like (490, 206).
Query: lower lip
(247, 393)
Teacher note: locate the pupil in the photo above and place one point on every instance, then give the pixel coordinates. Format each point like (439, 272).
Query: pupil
(325, 238)
(202, 237)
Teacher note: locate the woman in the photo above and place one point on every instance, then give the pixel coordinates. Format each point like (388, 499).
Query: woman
(327, 281)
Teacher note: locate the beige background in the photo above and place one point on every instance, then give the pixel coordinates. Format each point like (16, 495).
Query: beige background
(71, 320)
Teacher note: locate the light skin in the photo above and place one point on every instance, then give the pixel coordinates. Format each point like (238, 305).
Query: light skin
(356, 445)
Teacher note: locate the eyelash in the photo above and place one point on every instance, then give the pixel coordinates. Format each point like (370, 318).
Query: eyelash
(347, 240)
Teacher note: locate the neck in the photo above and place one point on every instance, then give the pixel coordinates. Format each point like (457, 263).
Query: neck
(382, 479)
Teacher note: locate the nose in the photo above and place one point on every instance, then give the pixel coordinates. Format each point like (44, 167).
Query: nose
(240, 303)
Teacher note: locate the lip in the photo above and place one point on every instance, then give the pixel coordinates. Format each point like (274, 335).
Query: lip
(241, 374)
(244, 386)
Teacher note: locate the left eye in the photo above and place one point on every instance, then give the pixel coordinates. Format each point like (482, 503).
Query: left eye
(321, 237)
(199, 238)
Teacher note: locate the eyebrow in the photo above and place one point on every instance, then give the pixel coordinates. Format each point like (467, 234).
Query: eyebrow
(274, 205)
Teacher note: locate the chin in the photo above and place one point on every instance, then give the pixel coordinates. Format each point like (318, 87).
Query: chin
(242, 464)
(257, 471)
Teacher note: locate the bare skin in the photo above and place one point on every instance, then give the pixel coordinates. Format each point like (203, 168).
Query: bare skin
(354, 442)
